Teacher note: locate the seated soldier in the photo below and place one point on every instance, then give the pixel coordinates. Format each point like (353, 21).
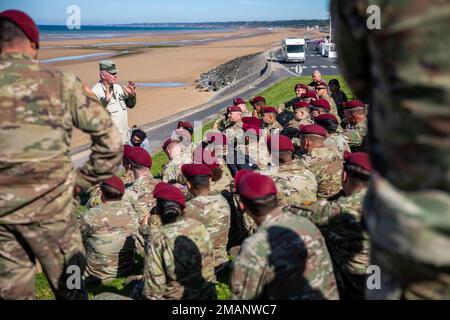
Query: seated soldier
(209, 208)
(301, 115)
(340, 222)
(270, 121)
(333, 140)
(239, 102)
(258, 103)
(355, 124)
(171, 171)
(323, 161)
(309, 97)
(323, 94)
(319, 107)
(140, 191)
(128, 179)
(295, 183)
(179, 256)
(184, 133)
(286, 258)
(299, 89)
(110, 233)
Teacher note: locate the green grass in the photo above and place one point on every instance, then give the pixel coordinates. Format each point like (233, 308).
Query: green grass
(275, 95)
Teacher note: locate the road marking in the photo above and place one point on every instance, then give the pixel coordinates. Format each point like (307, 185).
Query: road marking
(334, 67)
(324, 67)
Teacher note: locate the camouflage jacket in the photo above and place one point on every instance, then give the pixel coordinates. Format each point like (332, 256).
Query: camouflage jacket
(295, 183)
(273, 128)
(179, 262)
(296, 124)
(327, 165)
(234, 131)
(340, 223)
(172, 170)
(110, 236)
(214, 212)
(285, 259)
(339, 142)
(40, 107)
(141, 192)
(355, 135)
(224, 182)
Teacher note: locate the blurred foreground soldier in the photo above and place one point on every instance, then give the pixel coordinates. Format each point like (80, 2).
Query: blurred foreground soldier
(333, 140)
(340, 222)
(286, 258)
(179, 256)
(40, 107)
(402, 70)
(258, 104)
(270, 120)
(110, 233)
(355, 124)
(209, 208)
(114, 97)
(295, 183)
(323, 161)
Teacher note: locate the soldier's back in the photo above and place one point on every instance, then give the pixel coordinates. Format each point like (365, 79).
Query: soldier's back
(141, 191)
(179, 262)
(214, 212)
(285, 259)
(338, 142)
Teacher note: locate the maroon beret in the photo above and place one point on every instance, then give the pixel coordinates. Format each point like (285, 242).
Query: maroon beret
(353, 104)
(270, 110)
(309, 94)
(254, 128)
(321, 103)
(284, 143)
(238, 176)
(326, 116)
(167, 142)
(238, 101)
(184, 124)
(301, 85)
(116, 183)
(252, 120)
(194, 169)
(300, 104)
(168, 192)
(216, 137)
(127, 149)
(321, 84)
(257, 99)
(313, 129)
(234, 109)
(24, 22)
(254, 186)
(359, 159)
(141, 157)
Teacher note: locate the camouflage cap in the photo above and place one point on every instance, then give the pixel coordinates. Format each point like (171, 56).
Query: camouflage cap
(108, 65)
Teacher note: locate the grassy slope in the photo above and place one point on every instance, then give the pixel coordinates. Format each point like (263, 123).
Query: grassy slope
(275, 95)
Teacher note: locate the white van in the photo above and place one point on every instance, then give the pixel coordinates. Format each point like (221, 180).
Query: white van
(293, 50)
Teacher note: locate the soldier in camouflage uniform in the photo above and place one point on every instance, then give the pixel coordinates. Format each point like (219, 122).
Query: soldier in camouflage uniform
(302, 115)
(258, 103)
(179, 256)
(355, 126)
(339, 220)
(40, 107)
(334, 140)
(171, 171)
(323, 161)
(271, 125)
(234, 131)
(110, 233)
(309, 97)
(286, 258)
(322, 92)
(209, 208)
(299, 89)
(254, 142)
(239, 102)
(402, 70)
(295, 183)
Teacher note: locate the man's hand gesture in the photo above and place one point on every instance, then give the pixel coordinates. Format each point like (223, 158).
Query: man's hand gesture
(130, 88)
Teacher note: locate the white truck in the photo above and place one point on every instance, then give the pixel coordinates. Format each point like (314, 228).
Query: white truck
(293, 50)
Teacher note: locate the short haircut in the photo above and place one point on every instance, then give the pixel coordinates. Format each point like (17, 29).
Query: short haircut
(261, 206)
(169, 211)
(110, 193)
(285, 154)
(139, 133)
(10, 32)
(216, 174)
(329, 124)
(357, 173)
(314, 137)
(199, 181)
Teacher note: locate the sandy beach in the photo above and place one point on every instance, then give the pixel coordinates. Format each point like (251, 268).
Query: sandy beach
(182, 64)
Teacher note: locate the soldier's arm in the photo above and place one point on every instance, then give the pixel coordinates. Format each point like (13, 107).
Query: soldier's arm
(319, 212)
(354, 139)
(92, 118)
(154, 274)
(351, 42)
(130, 101)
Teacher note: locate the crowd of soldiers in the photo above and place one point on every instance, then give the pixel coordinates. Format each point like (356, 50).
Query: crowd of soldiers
(279, 191)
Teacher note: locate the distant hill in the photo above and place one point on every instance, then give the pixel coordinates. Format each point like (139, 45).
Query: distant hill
(237, 24)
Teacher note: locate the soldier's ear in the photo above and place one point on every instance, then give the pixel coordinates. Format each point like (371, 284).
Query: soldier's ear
(188, 184)
(241, 206)
(344, 176)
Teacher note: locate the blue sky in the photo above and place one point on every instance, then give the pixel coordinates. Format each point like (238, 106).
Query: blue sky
(130, 11)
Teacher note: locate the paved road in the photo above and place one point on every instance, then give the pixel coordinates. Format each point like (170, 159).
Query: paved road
(159, 133)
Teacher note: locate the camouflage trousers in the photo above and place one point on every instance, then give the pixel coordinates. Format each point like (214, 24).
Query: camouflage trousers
(405, 279)
(56, 243)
